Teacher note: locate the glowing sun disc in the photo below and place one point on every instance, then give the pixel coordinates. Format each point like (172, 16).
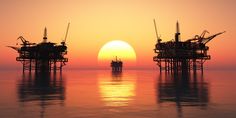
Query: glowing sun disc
(118, 48)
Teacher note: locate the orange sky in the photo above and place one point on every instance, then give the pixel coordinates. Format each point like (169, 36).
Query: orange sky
(95, 22)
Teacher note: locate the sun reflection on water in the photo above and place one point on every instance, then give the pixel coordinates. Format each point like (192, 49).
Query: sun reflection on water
(117, 90)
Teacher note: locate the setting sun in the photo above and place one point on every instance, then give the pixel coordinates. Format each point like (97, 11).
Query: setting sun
(118, 48)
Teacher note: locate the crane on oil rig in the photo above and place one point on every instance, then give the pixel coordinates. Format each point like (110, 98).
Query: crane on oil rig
(24, 41)
(202, 39)
(209, 38)
(158, 37)
(67, 30)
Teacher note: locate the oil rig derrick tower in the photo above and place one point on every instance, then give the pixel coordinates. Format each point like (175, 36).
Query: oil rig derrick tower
(176, 55)
(44, 56)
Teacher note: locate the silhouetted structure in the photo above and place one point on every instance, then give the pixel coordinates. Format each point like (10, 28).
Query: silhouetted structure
(177, 55)
(44, 56)
(116, 65)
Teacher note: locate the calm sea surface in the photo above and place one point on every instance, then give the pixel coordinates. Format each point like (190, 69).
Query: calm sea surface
(131, 94)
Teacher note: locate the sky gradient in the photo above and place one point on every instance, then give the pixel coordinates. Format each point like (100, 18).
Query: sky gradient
(96, 22)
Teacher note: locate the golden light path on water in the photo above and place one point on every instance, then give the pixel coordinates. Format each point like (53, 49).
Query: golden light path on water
(117, 91)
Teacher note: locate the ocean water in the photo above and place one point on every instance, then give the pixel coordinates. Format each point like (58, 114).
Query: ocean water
(130, 94)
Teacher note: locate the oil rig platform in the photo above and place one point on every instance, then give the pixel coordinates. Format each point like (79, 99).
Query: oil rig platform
(44, 56)
(176, 55)
(116, 65)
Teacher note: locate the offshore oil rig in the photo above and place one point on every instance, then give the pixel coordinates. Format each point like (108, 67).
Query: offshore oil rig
(116, 65)
(177, 55)
(44, 56)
